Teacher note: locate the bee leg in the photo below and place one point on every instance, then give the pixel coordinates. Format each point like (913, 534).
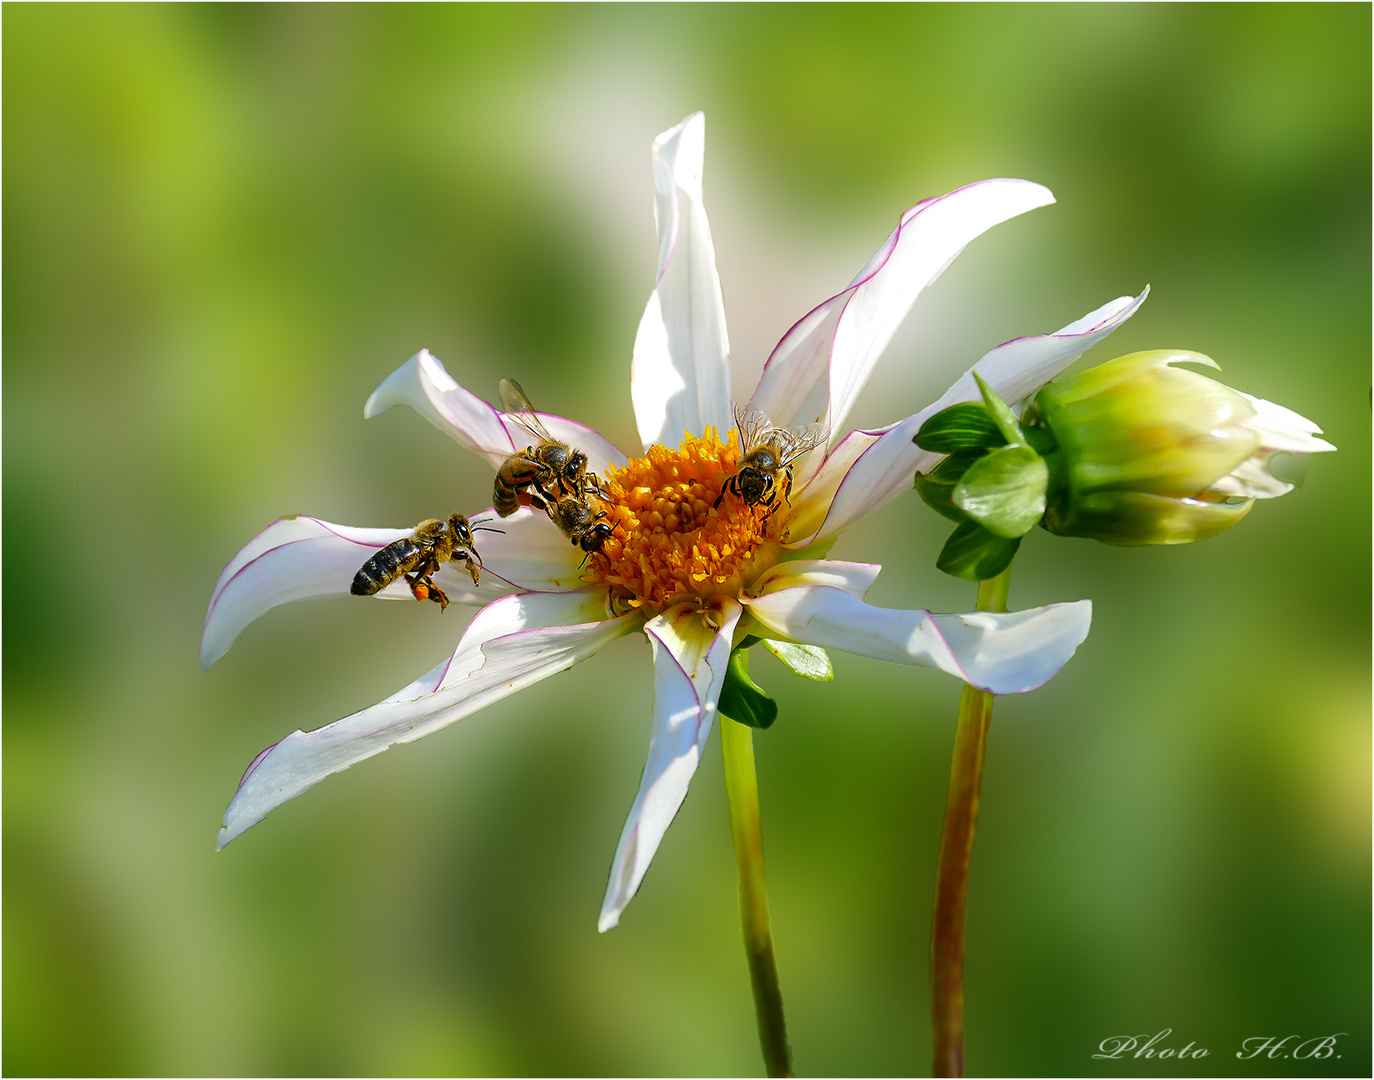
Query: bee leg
(473, 566)
(422, 588)
(730, 485)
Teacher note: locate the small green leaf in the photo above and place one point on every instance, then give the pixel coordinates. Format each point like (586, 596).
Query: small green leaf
(973, 553)
(1001, 414)
(958, 428)
(808, 661)
(1005, 491)
(740, 699)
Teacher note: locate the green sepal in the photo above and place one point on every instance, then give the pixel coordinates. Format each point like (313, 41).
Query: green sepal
(1004, 491)
(808, 661)
(973, 553)
(1001, 414)
(960, 427)
(952, 469)
(740, 699)
(938, 495)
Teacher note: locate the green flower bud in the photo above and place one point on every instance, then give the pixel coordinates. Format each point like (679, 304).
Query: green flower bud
(1146, 453)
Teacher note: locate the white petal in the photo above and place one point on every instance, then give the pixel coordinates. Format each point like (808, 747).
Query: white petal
(822, 364)
(530, 554)
(1283, 429)
(690, 659)
(1014, 370)
(510, 644)
(680, 379)
(423, 384)
(1001, 653)
(304, 558)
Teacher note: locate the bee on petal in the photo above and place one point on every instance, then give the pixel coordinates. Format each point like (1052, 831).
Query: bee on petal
(547, 468)
(418, 557)
(581, 524)
(766, 457)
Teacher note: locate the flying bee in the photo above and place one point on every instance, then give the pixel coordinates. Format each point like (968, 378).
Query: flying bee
(549, 469)
(582, 525)
(418, 557)
(766, 457)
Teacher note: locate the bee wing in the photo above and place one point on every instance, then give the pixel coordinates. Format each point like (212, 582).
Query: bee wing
(753, 427)
(514, 401)
(802, 440)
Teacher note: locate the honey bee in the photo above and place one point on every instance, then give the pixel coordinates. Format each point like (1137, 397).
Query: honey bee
(766, 457)
(580, 524)
(549, 469)
(419, 556)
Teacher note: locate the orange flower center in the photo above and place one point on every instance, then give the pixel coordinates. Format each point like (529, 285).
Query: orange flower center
(671, 543)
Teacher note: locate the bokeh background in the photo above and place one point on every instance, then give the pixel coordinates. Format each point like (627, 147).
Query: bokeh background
(224, 225)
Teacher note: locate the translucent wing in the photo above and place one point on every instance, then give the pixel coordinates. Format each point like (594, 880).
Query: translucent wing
(792, 444)
(753, 427)
(514, 401)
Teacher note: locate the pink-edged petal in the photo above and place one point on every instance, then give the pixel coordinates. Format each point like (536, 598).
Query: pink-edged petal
(1001, 653)
(1015, 369)
(304, 558)
(691, 652)
(423, 384)
(509, 644)
(296, 558)
(818, 369)
(680, 378)
(811, 502)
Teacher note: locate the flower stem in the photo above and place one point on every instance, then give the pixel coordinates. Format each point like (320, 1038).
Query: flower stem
(956, 849)
(741, 783)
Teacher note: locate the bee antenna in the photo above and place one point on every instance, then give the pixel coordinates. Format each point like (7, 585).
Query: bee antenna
(488, 528)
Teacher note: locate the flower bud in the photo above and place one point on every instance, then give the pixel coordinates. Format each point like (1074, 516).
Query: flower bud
(1146, 453)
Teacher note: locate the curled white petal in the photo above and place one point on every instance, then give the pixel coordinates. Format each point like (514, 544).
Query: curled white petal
(680, 378)
(1002, 653)
(821, 365)
(851, 577)
(1015, 369)
(1279, 430)
(423, 384)
(510, 644)
(1283, 429)
(690, 660)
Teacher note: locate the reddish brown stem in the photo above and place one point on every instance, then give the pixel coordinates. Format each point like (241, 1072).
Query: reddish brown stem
(956, 851)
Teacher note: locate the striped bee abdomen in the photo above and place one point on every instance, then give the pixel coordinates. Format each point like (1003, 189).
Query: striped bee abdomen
(397, 558)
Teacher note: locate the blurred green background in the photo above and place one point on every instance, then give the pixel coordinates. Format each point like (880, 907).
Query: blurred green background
(224, 225)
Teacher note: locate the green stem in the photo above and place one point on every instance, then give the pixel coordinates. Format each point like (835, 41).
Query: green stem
(956, 849)
(741, 783)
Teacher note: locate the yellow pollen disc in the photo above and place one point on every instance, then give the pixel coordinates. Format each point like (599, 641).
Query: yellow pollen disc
(670, 543)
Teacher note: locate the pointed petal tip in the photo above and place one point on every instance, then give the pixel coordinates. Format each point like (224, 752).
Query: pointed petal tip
(608, 920)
